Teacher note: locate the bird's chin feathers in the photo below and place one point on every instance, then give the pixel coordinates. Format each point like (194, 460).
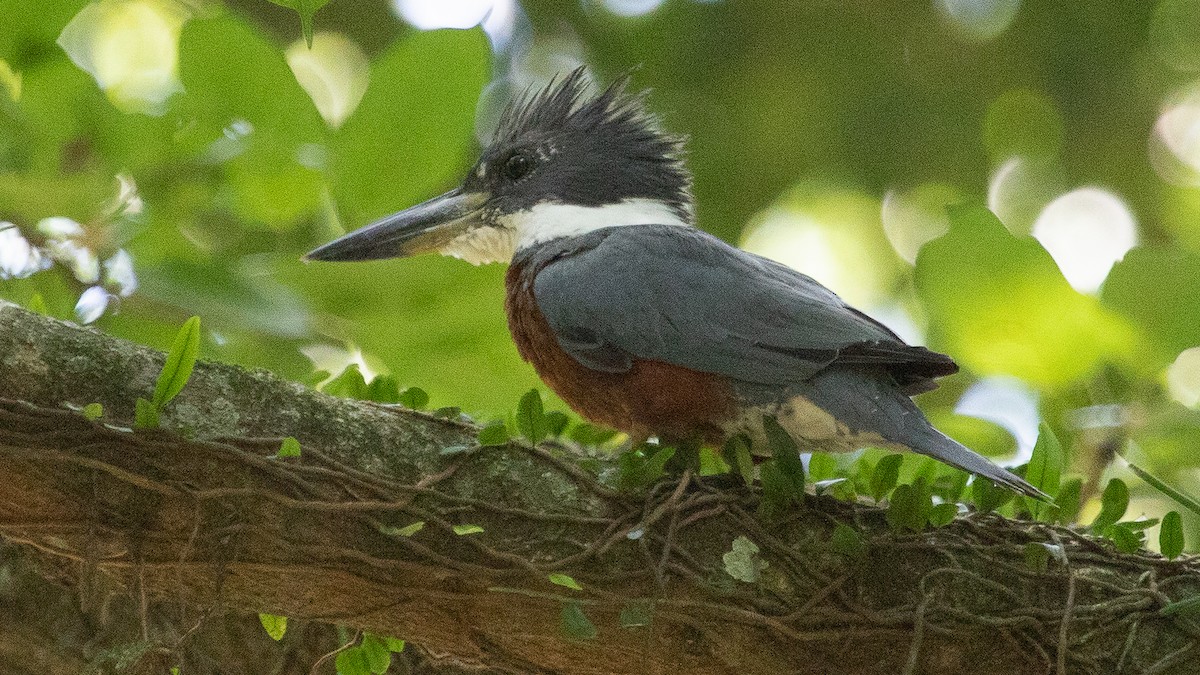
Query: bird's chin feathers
(483, 245)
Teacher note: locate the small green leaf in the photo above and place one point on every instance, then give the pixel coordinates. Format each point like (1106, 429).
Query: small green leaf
(905, 509)
(846, 541)
(737, 453)
(987, 496)
(1044, 472)
(179, 364)
(821, 466)
(353, 661)
(315, 378)
(575, 623)
(145, 415)
(290, 447)
(348, 384)
(379, 657)
(639, 467)
(1066, 504)
(1113, 504)
(943, 514)
(1170, 535)
(531, 417)
(1037, 556)
(1188, 607)
(37, 304)
(93, 411)
(884, 478)
(950, 484)
(556, 423)
(1141, 524)
(591, 435)
(565, 581)
(1182, 498)
(383, 389)
(306, 9)
(494, 434)
(394, 645)
(406, 531)
(276, 625)
(742, 562)
(449, 412)
(1126, 539)
(711, 463)
(414, 398)
(635, 614)
(174, 670)
(786, 454)
(462, 530)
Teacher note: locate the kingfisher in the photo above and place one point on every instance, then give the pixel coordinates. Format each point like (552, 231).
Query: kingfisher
(642, 322)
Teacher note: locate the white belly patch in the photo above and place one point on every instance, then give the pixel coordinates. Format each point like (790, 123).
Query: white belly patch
(810, 426)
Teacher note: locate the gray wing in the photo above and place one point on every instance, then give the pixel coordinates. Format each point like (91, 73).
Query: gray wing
(681, 296)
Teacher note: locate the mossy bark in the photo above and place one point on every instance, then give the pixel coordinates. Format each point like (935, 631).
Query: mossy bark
(187, 528)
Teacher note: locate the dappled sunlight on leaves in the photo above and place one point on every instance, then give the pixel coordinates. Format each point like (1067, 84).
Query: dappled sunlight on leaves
(131, 48)
(335, 73)
(1002, 307)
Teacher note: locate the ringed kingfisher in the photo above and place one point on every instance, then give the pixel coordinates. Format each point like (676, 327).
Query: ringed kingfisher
(641, 321)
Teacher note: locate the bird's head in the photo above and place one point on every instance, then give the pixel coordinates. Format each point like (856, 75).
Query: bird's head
(562, 163)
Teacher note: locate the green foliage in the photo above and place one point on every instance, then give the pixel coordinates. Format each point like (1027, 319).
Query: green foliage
(176, 370)
(348, 384)
(565, 581)
(742, 562)
(290, 447)
(494, 434)
(406, 531)
(943, 514)
(414, 398)
(1182, 498)
(1170, 535)
(910, 507)
(306, 9)
(1113, 503)
(463, 530)
(382, 389)
(1007, 309)
(93, 411)
(643, 465)
(179, 364)
(1067, 503)
(711, 463)
(575, 623)
(372, 656)
(1037, 556)
(275, 626)
(1156, 289)
(846, 541)
(531, 417)
(987, 496)
(1044, 472)
(737, 454)
(821, 466)
(885, 475)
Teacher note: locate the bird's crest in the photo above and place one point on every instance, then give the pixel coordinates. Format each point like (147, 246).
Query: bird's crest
(566, 107)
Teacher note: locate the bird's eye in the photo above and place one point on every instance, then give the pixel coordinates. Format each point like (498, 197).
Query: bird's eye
(517, 167)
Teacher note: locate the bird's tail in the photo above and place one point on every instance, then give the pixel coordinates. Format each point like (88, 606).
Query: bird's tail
(930, 441)
(866, 402)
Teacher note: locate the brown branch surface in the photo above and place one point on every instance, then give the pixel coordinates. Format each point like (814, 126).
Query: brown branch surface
(189, 524)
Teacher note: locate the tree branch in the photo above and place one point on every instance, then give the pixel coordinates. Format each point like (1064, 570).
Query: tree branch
(206, 518)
